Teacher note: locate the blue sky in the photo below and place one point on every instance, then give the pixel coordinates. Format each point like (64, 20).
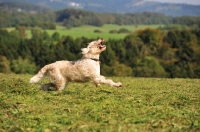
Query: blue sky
(193, 2)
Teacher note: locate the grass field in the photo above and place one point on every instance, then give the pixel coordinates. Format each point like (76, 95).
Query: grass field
(143, 104)
(88, 31)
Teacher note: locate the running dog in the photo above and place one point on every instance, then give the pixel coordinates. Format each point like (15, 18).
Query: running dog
(86, 69)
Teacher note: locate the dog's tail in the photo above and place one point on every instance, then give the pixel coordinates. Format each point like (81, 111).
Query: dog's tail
(40, 75)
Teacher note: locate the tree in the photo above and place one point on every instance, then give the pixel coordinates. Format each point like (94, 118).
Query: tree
(106, 70)
(4, 65)
(22, 66)
(173, 39)
(36, 34)
(149, 67)
(123, 30)
(21, 31)
(55, 36)
(108, 56)
(46, 36)
(152, 38)
(134, 49)
(121, 70)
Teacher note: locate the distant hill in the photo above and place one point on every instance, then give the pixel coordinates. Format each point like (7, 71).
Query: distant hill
(119, 6)
(24, 7)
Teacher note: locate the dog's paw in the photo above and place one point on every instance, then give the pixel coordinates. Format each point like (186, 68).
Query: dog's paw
(118, 84)
(97, 85)
(44, 87)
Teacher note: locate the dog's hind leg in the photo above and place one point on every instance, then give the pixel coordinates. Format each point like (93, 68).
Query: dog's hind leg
(53, 87)
(61, 85)
(57, 79)
(48, 87)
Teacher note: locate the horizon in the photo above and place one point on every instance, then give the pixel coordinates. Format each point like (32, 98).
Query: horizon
(190, 2)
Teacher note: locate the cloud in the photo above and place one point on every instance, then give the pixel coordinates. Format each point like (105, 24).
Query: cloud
(192, 2)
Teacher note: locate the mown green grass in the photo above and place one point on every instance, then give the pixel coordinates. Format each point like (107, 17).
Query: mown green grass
(88, 31)
(143, 104)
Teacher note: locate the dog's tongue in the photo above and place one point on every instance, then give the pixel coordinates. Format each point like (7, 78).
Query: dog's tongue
(102, 46)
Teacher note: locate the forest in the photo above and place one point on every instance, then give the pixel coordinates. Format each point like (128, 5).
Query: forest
(74, 17)
(144, 53)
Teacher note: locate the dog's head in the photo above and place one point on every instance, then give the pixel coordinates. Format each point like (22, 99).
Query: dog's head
(94, 47)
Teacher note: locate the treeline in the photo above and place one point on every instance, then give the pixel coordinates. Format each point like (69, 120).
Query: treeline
(145, 53)
(14, 18)
(72, 17)
(24, 7)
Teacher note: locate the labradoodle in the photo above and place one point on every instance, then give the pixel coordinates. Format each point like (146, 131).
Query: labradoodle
(83, 70)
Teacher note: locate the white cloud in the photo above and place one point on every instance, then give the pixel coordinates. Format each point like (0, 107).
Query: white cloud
(192, 2)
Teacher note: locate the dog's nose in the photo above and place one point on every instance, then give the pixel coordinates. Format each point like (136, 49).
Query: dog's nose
(101, 40)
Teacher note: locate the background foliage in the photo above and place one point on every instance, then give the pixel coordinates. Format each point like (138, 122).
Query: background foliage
(74, 17)
(163, 52)
(146, 52)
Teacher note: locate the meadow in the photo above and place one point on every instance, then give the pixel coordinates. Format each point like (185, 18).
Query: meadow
(142, 104)
(88, 31)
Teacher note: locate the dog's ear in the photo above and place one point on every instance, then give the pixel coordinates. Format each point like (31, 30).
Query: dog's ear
(84, 50)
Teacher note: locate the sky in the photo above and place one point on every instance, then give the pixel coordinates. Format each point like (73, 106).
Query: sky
(192, 2)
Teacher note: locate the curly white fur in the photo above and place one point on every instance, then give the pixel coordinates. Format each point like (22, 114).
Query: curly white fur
(83, 70)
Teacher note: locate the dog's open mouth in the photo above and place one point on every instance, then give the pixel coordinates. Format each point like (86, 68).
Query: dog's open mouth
(101, 46)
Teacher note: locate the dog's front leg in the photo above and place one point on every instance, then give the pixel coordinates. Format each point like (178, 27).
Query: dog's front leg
(110, 82)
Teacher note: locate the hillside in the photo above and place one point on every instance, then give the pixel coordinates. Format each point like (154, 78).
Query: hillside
(24, 7)
(76, 17)
(119, 6)
(143, 104)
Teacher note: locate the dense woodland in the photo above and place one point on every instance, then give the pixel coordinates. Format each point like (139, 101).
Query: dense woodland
(14, 18)
(145, 53)
(72, 17)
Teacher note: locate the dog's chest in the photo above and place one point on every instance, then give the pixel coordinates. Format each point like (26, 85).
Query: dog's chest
(88, 67)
